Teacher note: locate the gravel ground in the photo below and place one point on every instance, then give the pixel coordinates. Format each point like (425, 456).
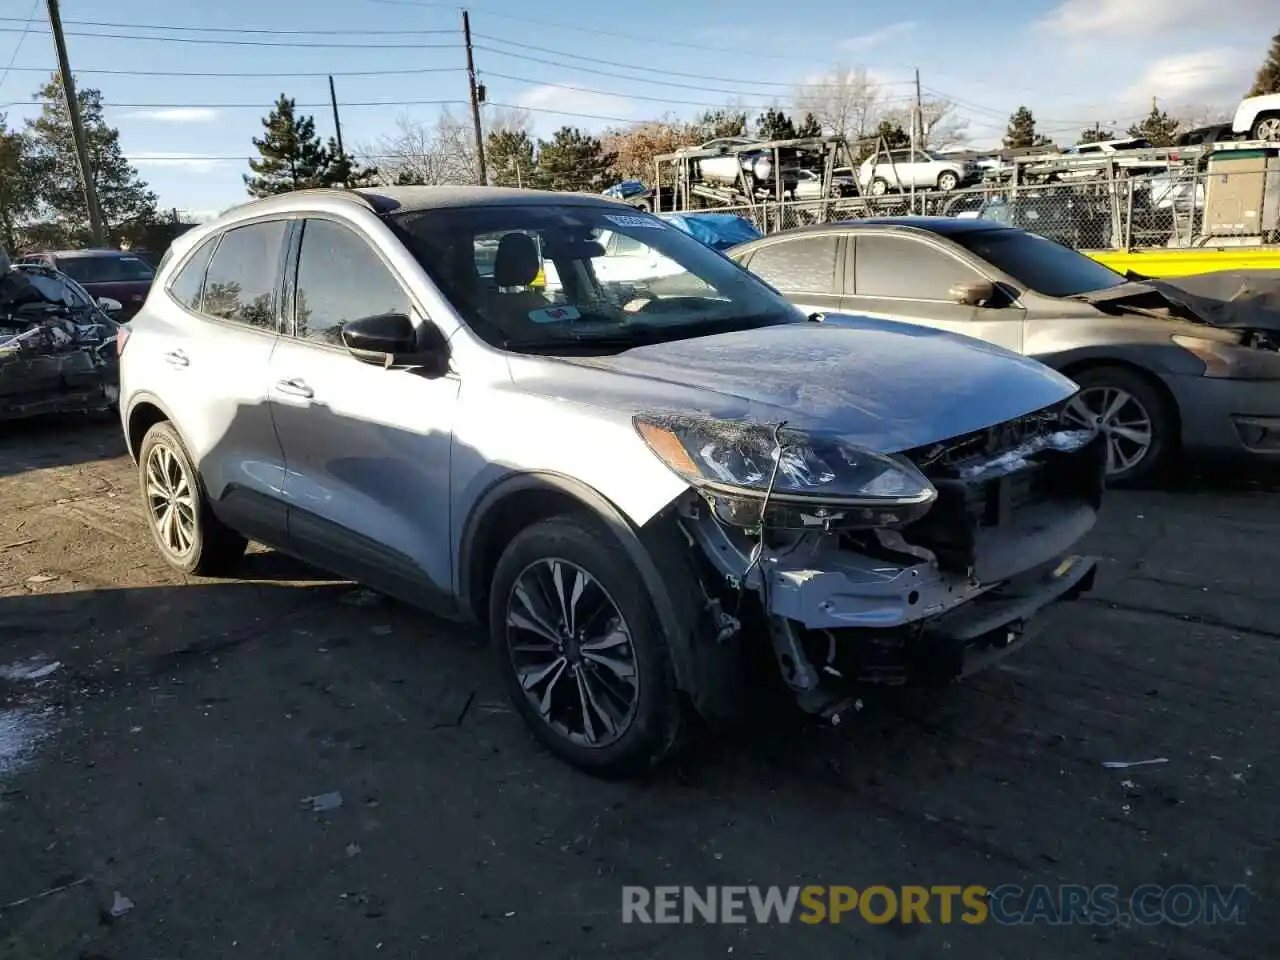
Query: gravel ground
(163, 765)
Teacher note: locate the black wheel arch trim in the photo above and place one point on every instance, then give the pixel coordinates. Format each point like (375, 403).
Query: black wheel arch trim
(137, 400)
(639, 545)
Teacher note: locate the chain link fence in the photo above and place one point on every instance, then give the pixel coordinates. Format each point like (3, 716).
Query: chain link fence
(1164, 209)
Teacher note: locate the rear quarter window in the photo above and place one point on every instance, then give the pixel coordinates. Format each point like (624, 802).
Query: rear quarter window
(187, 284)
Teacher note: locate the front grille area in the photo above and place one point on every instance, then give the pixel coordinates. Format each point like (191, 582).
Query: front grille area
(947, 458)
(972, 503)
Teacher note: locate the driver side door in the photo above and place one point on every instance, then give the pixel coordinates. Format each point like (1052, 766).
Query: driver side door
(366, 450)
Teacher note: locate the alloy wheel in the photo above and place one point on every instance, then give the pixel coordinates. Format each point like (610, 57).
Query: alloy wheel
(1121, 418)
(170, 500)
(572, 652)
(1268, 129)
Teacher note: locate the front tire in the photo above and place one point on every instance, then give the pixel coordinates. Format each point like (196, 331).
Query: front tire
(1266, 128)
(879, 187)
(1139, 423)
(581, 650)
(190, 538)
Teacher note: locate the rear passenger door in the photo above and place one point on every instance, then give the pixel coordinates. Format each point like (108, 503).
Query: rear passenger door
(366, 449)
(211, 340)
(909, 278)
(802, 268)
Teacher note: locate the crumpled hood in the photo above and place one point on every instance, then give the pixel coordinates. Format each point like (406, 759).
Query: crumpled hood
(882, 384)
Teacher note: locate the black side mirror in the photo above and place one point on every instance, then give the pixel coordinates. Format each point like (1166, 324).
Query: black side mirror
(976, 294)
(390, 340)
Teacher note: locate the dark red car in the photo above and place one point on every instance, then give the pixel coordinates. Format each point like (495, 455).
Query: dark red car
(118, 274)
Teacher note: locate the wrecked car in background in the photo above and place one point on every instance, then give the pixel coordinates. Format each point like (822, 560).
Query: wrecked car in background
(635, 491)
(57, 345)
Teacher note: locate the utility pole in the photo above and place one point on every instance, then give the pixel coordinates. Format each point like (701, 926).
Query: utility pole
(917, 134)
(475, 99)
(77, 127)
(337, 124)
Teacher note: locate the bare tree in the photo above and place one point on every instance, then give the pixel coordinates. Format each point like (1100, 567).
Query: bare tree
(1191, 116)
(439, 152)
(940, 126)
(846, 102)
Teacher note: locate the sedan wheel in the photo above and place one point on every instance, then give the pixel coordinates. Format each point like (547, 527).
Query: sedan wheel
(572, 652)
(1124, 421)
(879, 187)
(948, 181)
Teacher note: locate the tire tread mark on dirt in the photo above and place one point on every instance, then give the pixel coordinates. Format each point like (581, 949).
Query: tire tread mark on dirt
(1208, 621)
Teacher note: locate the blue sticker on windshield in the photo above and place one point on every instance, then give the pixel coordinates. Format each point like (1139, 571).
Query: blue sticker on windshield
(648, 223)
(554, 315)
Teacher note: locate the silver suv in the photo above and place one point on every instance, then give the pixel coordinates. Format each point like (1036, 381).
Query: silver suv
(633, 485)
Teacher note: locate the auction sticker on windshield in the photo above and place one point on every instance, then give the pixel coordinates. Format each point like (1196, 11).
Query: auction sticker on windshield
(647, 223)
(554, 315)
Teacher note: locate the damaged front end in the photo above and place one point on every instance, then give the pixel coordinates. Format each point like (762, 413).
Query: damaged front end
(57, 349)
(861, 567)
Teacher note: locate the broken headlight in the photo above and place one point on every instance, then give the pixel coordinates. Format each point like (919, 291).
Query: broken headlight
(808, 481)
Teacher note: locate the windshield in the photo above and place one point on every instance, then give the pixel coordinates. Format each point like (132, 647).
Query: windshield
(105, 269)
(548, 275)
(1037, 263)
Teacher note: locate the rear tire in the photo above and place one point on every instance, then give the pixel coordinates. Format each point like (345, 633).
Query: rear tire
(948, 181)
(188, 535)
(634, 723)
(1101, 387)
(1266, 128)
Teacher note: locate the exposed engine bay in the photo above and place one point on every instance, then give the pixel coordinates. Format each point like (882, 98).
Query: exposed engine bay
(934, 592)
(57, 347)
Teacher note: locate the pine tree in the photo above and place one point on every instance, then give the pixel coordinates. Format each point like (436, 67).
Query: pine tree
(1158, 127)
(342, 171)
(1022, 131)
(773, 124)
(1268, 78)
(292, 156)
(573, 160)
(809, 127)
(1098, 134)
(722, 122)
(509, 154)
(123, 197)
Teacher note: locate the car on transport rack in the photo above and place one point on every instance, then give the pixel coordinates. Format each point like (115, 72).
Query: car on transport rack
(636, 486)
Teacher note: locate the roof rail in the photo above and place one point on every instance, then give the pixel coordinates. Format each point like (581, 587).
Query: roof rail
(340, 193)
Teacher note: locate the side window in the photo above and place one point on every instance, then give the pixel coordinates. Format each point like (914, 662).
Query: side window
(340, 278)
(240, 285)
(806, 265)
(907, 269)
(188, 283)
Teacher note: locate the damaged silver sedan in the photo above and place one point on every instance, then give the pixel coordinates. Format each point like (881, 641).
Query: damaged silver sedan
(57, 345)
(636, 485)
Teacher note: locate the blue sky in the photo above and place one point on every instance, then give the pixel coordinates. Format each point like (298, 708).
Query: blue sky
(1073, 62)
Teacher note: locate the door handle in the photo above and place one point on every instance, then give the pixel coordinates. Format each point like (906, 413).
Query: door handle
(295, 388)
(176, 358)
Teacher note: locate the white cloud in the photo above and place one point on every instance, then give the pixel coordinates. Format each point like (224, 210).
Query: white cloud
(1111, 20)
(882, 35)
(1204, 75)
(176, 114)
(562, 105)
(186, 161)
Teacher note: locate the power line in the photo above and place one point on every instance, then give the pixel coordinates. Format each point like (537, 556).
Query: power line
(253, 106)
(268, 31)
(597, 31)
(251, 75)
(255, 43)
(630, 66)
(17, 47)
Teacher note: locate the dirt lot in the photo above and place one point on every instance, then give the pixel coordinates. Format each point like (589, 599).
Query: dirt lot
(168, 755)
